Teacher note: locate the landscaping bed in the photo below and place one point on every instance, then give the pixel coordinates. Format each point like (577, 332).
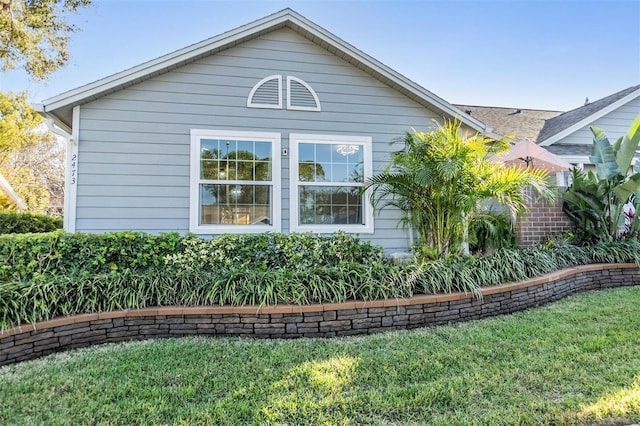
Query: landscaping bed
(45, 276)
(574, 362)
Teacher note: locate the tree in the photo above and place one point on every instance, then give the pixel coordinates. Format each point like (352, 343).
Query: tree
(595, 202)
(439, 181)
(30, 157)
(34, 34)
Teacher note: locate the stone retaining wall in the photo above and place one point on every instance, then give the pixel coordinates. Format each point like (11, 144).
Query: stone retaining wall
(288, 321)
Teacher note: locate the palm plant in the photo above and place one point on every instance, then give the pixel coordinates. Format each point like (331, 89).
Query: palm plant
(595, 201)
(439, 180)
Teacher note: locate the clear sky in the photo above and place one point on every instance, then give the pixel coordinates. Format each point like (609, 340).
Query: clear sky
(543, 54)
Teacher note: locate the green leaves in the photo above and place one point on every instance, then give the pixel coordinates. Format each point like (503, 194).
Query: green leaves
(34, 34)
(628, 145)
(22, 223)
(595, 203)
(603, 156)
(439, 180)
(49, 275)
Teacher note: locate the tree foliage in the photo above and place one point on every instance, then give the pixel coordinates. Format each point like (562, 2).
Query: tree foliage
(30, 157)
(440, 179)
(34, 34)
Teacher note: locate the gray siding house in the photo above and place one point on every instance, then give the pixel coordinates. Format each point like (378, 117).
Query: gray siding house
(568, 135)
(270, 127)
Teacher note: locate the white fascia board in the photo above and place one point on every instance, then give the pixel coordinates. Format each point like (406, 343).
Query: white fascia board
(52, 120)
(575, 159)
(140, 72)
(229, 38)
(387, 72)
(590, 119)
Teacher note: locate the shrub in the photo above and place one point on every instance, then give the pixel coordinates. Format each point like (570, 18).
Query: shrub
(54, 274)
(24, 256)
(24, 223)
(490, 230)
(274, 251)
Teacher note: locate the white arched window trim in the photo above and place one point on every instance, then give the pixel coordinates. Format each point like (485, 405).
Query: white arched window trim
(251, 104)
(306, 86)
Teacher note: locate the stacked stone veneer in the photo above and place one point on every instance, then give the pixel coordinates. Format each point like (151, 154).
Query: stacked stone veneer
(328, 320)
(542, 220)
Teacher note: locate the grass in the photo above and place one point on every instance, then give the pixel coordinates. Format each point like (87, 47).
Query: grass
(574, 362)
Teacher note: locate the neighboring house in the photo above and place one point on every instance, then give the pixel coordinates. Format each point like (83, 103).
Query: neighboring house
(272, 126)
(568, 135)
(565, 134)
(13, 196)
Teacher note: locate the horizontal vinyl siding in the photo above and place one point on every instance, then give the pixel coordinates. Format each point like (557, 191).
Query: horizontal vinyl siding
(614, 124)
(134, 144)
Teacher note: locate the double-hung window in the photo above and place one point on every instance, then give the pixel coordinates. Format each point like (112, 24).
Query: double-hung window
(235, 181)
(327, 174)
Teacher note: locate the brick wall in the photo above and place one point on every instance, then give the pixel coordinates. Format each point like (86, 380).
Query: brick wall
(33, 341)
(543, 219)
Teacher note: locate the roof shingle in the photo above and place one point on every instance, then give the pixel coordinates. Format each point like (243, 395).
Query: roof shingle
(565, 120)
(521, 124)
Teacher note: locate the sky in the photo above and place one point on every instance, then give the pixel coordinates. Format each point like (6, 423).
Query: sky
(539, 54)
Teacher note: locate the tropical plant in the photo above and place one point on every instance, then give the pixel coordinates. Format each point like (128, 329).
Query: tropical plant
(595, 202)
(490, 230)
(440, 179)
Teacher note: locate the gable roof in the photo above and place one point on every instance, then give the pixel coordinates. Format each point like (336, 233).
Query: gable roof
(564, 124)
(59, 107)
(519, 123)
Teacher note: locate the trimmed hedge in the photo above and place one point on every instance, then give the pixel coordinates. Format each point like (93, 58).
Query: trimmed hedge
(26, 256)
(48, 275)
(24, 223)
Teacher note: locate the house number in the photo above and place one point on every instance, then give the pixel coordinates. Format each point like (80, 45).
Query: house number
(74, 168)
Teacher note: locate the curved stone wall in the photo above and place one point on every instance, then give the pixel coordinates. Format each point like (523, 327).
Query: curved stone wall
(291, 321)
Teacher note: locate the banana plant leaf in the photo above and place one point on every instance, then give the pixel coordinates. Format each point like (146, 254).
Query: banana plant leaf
(628, 146)
(630, 186)
(602, 155)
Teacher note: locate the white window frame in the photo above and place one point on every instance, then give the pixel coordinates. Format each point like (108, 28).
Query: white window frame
(367, 210)
(195, 181)
(251, 104)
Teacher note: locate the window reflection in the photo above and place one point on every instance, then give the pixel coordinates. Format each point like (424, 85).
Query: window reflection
(240, 174)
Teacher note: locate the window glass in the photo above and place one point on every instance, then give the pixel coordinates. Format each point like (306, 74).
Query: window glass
(234, 204)
(330, 205)
(235, 186)
(330, 178)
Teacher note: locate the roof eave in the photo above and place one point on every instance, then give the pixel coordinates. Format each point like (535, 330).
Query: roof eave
(590, 119)
(163, 64)
(286, 17)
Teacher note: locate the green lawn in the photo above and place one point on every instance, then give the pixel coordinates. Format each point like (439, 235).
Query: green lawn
(574, 362)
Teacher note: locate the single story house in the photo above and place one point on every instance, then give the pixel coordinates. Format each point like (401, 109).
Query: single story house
(272, 126)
